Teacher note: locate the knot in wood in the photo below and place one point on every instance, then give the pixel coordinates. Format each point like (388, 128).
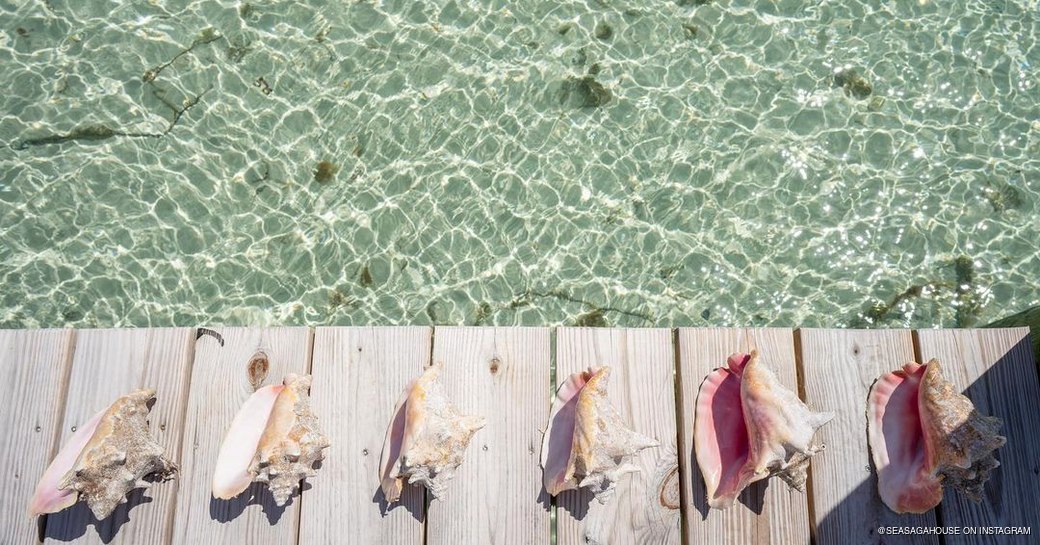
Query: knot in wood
(669, 493)
(257, 369)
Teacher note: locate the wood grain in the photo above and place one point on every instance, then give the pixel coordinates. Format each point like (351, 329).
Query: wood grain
(642, 388)
(838, 368)
(106, 364)
(768, 511)
(220, 384)
(995, 369)
(359, 373)
(497, 496)
(35, 364)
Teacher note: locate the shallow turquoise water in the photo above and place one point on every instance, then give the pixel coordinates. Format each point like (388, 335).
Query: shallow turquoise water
(601, 162)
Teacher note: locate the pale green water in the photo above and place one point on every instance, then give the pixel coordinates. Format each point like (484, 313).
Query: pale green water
(710, 170)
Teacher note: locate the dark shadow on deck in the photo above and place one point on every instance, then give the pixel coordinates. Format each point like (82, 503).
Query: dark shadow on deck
(1002, 391)
(411, 499)
(72, 523)
(224, 511)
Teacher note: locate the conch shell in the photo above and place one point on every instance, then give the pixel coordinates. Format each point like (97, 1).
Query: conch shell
(273, 439)
(748, 427)
(923, 434)
(586, 443)
(426, 439)
(106, 458)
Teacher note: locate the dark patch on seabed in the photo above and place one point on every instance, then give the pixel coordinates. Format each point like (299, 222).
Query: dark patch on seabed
(584, 92)
(325, 172)
(1003, 196)
(963, 289)
(365, 277)
(853, 83)
(594, 317)
(483, 313)
(98, 133)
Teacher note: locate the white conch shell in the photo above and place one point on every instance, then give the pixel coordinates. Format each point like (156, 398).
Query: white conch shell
(106, 458)
(747, 427)
(273, 439)
(923, 435)
(586, 444)
(426, 438)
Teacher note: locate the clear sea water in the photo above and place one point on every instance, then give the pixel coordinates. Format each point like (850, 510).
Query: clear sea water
(779, 162)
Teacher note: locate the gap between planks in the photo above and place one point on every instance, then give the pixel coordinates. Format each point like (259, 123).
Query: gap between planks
(310, 373)
(64, 389)
(553, 528)
(680, 442)
(188, 368)
(800, 374)
(426, 493)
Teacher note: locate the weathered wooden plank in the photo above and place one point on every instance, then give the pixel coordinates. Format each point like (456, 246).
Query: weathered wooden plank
(838, 368)
(496, 497)
(359, 373)
(35, 365)
(642, 388)
(768, 511)
(220, 384)
(107, 364)
(995, 368)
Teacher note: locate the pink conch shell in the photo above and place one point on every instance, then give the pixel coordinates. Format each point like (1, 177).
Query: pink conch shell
(426, 439)
(273, 439)
(586, 443)
(106, 458)
(923, 434)
(749, 427)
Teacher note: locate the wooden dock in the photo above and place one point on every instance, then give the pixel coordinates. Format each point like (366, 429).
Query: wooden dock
(59, 378)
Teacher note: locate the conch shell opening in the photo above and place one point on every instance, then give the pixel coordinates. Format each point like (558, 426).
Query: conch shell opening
(273, 439)
(923, 434)
(426, 439)
(586, 443)
(107, 457)
(748, 427)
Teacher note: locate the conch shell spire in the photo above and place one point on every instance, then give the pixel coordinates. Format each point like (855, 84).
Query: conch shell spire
(273, 439)
(586, 444)
(107, 457)
(426, 439)
(748, 427)
(924, 435)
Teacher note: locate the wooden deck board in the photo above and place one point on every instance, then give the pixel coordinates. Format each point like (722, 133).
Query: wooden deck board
(838, 368)
(642, 388)
(496, 497)
(106, 364)
(220, 384)
(35, 365)
(995, 368)
(768, 511)
(359, 374)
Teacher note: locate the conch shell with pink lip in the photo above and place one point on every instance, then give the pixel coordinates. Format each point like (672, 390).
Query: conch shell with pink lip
(273, 439)
(748, 427)
(426, 439)
(107, 457)
(586, 443)
(924, 434)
